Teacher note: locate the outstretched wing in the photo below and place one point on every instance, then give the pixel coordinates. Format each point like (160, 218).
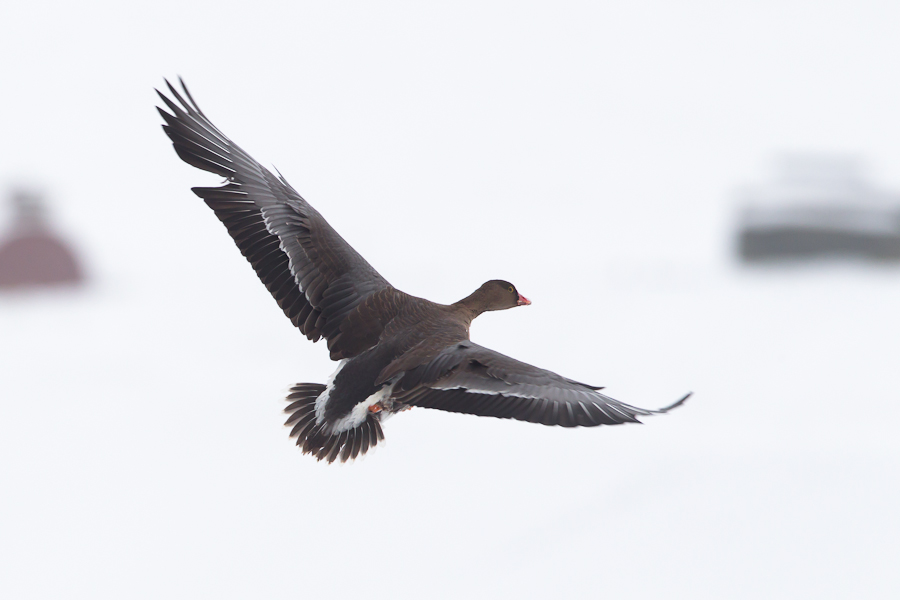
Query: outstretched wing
(468, 378)
(316, 277)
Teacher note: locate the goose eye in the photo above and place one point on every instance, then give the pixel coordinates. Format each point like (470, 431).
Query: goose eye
(511, 289)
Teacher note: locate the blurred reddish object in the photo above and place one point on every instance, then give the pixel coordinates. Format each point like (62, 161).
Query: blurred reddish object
(30, 253)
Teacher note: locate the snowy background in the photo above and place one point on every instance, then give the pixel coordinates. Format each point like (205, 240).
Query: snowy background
(588, 152)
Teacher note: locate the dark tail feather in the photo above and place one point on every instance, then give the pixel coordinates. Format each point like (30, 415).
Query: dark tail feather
(311, 438)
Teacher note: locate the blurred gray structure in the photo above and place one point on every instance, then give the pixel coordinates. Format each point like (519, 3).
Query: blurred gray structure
(31, 255)
(818, 206)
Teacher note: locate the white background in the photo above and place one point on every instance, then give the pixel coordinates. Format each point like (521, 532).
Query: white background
(588, 152)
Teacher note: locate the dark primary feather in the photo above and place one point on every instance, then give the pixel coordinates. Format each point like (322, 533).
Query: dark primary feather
(316, 277)
(468, 378)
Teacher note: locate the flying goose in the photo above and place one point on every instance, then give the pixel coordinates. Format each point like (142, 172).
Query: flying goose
(395, 351)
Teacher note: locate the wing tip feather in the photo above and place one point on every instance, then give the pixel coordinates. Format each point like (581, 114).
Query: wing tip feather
(675, 404)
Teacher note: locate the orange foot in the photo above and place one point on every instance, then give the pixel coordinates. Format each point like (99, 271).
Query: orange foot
(376, 408)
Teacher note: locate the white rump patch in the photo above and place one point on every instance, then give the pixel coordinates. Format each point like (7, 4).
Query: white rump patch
(322, 400)
(359, 412)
